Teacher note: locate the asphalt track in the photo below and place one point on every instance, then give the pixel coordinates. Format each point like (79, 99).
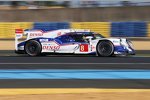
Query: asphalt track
(74, 62)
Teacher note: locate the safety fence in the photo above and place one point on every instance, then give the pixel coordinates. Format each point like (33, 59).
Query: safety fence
(148, 29)
(98, 27)
(7, 29)
(107, 29)
(129, 29)
(48, 26)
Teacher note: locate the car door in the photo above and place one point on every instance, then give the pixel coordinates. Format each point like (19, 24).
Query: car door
(67, 44)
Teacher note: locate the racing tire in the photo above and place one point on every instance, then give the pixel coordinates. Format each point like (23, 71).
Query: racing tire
(33, 48)
(105, 48)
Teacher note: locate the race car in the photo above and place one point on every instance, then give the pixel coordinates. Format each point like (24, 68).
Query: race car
(70, 41)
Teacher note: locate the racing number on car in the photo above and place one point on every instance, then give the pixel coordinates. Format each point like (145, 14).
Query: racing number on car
(84, 48)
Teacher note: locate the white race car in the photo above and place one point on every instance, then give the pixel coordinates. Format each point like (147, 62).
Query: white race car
(70, 41)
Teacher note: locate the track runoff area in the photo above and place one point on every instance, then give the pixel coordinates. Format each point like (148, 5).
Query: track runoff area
(73, 74)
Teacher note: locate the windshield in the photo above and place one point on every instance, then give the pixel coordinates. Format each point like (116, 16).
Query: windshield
(81, 36)
(94, 35)
(78, 38)
(98, 36)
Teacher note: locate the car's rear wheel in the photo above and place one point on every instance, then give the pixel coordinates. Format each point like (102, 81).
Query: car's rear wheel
(105, 48)
(33, 48)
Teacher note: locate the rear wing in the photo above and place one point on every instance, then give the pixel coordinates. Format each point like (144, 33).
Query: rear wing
(18, 35)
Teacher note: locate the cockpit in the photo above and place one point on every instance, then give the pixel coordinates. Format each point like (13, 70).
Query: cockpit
(78, 37)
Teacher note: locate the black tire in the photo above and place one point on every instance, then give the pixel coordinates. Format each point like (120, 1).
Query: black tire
(105, 48)
(33, 48)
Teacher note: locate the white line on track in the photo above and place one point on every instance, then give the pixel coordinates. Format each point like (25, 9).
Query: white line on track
(74, 63)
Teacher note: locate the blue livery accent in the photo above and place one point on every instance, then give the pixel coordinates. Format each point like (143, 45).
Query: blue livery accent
(69, 39)
(123, 49)
(21, 44)
(37, 39)
(120, 49)
(92, 53)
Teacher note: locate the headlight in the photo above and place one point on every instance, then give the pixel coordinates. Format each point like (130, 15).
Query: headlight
(129, 43)
(123, 42)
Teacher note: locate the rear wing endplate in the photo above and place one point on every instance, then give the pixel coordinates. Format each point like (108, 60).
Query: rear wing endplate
(18, 35)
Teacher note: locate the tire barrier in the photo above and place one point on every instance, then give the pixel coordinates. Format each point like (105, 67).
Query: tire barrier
(7, 29)
(148, 29)
(98, 27)
(107, 29)
(128, 29)
(48, 26)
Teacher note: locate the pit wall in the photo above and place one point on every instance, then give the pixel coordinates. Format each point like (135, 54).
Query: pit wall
(108, 29)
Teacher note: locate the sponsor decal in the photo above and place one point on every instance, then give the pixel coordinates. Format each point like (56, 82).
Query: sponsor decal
(18, 35)
(50, 47)
(93, 47)
(84, 48)
(36, 34)
(43, 40)
(114, 41)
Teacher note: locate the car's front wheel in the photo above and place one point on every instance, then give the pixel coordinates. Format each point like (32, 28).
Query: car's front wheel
(33, 48)
(105, 48)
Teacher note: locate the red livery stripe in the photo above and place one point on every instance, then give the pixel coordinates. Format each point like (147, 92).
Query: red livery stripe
(19, 31)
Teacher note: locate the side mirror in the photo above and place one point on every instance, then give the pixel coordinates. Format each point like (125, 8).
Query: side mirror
(89, 39)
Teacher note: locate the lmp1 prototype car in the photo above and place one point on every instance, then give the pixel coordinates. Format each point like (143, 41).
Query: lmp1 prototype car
(70, 41)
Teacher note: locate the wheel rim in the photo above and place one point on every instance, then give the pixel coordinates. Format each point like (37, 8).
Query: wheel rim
(105, 49)
(32, 48)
